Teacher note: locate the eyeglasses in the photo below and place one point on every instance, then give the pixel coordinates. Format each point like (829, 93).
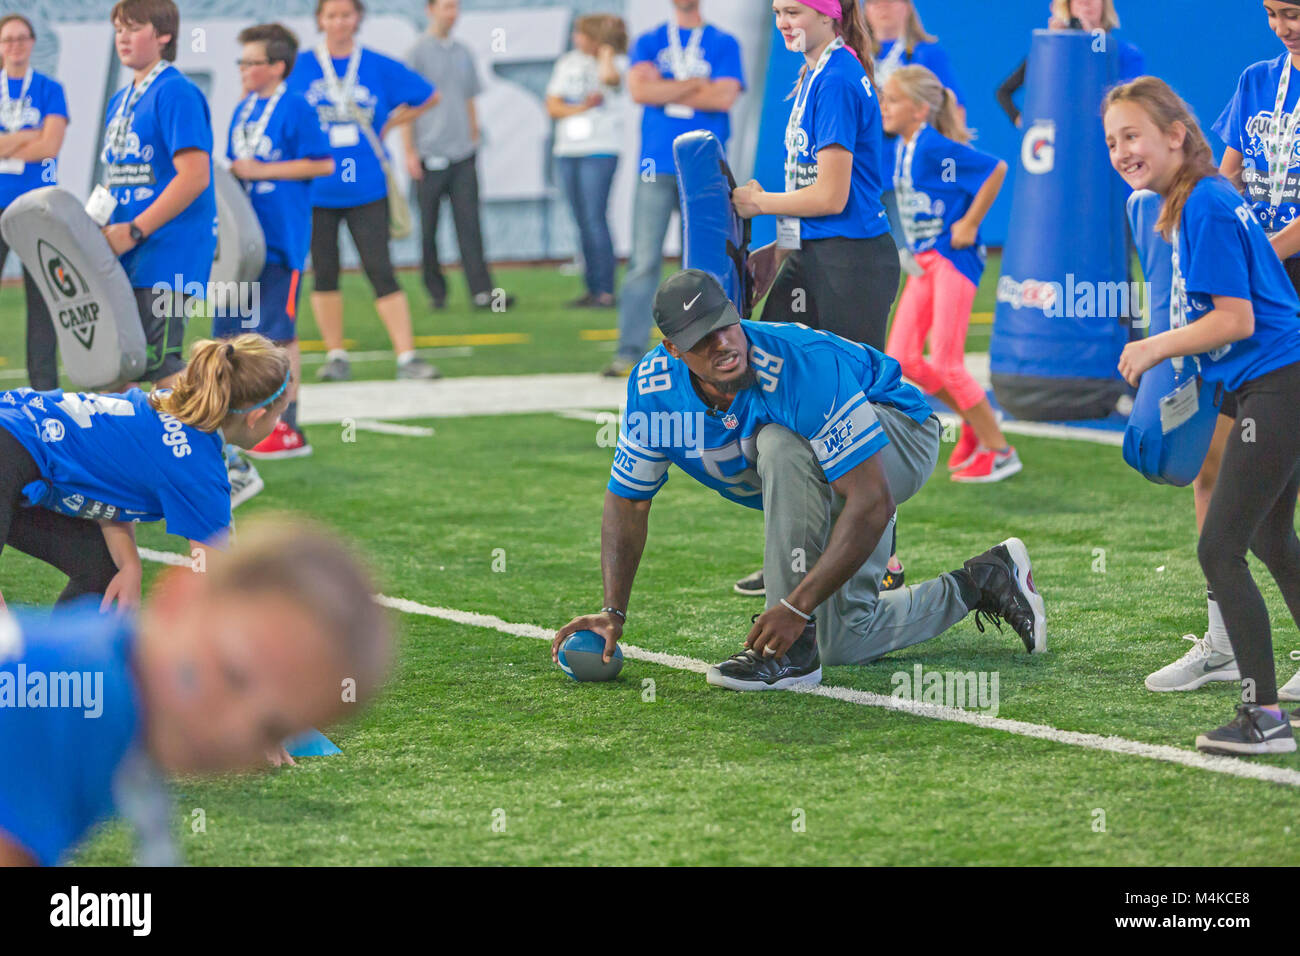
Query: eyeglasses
(14, 41)
(243, 63)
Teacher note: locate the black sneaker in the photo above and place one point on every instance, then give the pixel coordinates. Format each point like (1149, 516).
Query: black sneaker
(801, 664)
(583, 302)
(1006, 582)
(752, 586)
(892, 581)
(1253, 731)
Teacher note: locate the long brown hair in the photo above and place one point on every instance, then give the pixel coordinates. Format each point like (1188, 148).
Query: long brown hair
(920, 85)
(222, 377)
(1166, 108)
(914, 33)
(852, 26)
(162, 15)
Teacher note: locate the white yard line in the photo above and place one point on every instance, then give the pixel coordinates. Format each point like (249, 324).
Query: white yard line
(1117, 745)
(388, 428)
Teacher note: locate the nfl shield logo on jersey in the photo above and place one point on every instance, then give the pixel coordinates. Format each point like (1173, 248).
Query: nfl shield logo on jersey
(730, 420)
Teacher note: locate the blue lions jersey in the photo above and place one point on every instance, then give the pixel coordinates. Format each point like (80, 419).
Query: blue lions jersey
(814, 383)
(1223, 251)
(115, 458)
(69, 713)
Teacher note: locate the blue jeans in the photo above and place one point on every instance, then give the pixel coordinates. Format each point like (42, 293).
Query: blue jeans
(586, 181)
(652, 209)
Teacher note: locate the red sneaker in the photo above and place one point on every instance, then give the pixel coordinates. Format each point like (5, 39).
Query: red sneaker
(987, 466)
(284, 442)
(967, 445)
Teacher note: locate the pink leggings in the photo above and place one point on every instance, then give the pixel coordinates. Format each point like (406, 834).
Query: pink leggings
(936, 304)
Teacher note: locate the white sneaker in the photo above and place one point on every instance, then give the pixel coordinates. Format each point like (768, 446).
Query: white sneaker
(1198, 666)
(245, 482)
(1290, 691)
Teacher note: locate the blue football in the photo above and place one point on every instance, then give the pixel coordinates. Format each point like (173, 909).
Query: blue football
(582, 657)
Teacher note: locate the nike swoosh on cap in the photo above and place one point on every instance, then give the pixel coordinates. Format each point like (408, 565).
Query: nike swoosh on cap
(686, 306)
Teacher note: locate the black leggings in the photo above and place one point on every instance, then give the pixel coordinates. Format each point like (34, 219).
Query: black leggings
(845, 286)
(368, 225)
(75, 546)
(1253, 507)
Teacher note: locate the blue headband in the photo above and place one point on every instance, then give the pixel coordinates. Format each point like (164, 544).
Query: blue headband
(267, 401)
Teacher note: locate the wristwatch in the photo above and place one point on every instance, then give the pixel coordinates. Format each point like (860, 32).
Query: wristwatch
(136, 235)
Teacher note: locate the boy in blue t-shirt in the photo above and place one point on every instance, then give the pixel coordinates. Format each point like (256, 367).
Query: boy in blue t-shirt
(158, 199)
(277, 147)
(217, 670)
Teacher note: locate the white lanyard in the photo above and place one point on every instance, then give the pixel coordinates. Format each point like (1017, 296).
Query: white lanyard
(903, 154)
(892, 61)
(247, 138)
(684, 61)
(340, 93)
(1178, 302)
(11, 111)
(126, 110)
(796, 115)
(1282, 138)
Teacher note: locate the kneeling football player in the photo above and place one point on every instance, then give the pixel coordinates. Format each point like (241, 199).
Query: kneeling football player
(821, 434)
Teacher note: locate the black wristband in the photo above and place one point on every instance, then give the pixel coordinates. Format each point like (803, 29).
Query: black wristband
(137, 234)
(614, 610)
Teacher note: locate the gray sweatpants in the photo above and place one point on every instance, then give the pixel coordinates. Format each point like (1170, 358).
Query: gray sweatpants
(857, 624)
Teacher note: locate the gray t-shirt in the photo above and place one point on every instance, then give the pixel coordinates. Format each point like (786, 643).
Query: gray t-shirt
(442, 133)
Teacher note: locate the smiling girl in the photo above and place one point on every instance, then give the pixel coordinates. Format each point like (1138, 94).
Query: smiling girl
(1234, 313)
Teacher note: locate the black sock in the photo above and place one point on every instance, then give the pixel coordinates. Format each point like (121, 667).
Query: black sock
(970, 592)
(290, 416)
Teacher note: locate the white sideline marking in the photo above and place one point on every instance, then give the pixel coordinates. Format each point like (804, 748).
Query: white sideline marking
(1231, 766)
(451, 351)
(388, 428)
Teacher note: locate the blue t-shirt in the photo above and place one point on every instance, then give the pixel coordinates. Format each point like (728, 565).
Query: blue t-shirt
(283, 206)
(718, 59)
(171, 116)
(812, 382)
(113, 457)
(383, 84)
(929, 55)
(946, 175)
(1246, 124)
(70, 711)
(1223, 251)
(44, 98)
(843, 110)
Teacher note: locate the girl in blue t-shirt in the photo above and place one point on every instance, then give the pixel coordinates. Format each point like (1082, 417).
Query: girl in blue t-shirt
(1234, 313)
(78, 469)
(34, 117)
(835, 266)
(899, 38)
(359, 96)
(945, 190)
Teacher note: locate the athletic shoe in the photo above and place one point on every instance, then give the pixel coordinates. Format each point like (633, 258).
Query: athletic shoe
(1290, 691)
(284, 442)
(605, 300)
(619, 368)
(1006, 582)
(967, 445)
(751, 586)
(1253, 731)
(988, 466)
(801, 664)
(417, 368)
(335, 370)
(584, 302)
(892, 581)
(1197, 667)
(245, 482)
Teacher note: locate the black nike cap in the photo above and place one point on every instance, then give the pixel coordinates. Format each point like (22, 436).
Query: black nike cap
(691, 304)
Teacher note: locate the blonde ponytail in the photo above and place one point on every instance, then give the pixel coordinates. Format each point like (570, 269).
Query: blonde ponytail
(920, 85)
(222, 378)
(1166, 108)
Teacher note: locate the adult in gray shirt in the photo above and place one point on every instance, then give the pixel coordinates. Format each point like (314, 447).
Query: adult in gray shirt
(441, 153)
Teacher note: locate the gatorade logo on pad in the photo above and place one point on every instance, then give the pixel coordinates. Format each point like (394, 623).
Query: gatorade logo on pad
(78, 310)
(1038, 149)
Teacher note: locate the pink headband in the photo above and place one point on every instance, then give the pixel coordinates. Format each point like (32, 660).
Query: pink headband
(830, 8)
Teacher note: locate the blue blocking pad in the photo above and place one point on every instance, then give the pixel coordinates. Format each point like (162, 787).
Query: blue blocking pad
(714, 239)
(582, 657)
(1174, 457)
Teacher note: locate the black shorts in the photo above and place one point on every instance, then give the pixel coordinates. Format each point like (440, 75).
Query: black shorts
(163, 317)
